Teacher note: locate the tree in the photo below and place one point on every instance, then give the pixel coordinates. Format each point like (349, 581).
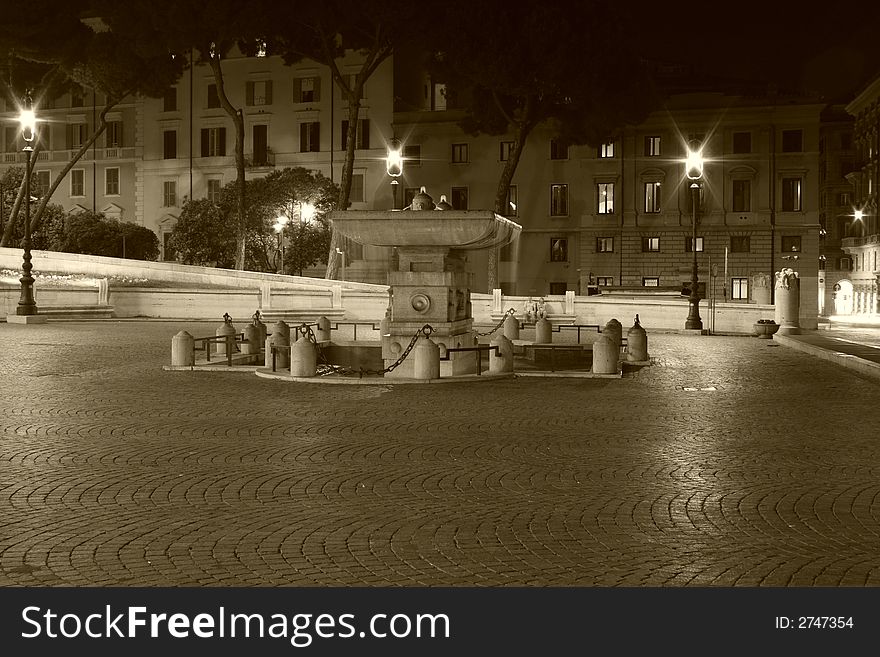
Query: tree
(201, 235)
(94, 234)
(207, 32)
(48, 48)
(565, 63)
(324, 32)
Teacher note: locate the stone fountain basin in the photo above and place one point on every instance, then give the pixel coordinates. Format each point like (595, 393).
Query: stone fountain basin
(454, 229)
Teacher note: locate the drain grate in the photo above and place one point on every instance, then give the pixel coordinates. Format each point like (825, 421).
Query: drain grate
(689, 389)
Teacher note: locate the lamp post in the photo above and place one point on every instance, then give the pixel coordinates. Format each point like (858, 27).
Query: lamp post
(694, 172)
(279, 225)
(27, 306)
(394, 167)
(342, 255)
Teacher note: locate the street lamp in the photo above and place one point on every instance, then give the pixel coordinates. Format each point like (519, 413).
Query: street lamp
(394, 166)
(342, 255)
(28, 119)
(694, 172)
(279, 225)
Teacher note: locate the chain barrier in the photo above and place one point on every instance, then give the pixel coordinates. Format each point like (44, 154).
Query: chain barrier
(510, 311)
(325, 368)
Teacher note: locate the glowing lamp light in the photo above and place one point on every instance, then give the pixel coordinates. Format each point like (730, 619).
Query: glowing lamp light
(858, 215)
(694, 164)
(394, 161)
(307, 212)
(280, 223)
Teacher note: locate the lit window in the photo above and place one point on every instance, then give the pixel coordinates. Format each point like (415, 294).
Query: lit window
(606, 150)
(652, 197)
(307, 90)
(651, 281)
(791, 243)
(604, 281)
(650, 244)
(791, 194)
(511, 202)
(258, 92)
(739, 289)
(605, 195)
(689, 244)
(213, 142)
(604, 245)
(652, 146)
(76, 135)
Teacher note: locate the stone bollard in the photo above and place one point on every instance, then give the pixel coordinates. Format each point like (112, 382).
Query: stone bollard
(637, 343)
(500, 364)
(543, 331)
(183, 352)
(426, 359)
(511, 328)
(252, 342)
(282, 355)
(614, 330)
(282, 327)
(323, 332)
(605, 356)
(788, 289)
(303, 358)
(225, 329)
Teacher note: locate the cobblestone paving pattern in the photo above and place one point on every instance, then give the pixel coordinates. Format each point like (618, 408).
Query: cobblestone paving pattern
(115, 472)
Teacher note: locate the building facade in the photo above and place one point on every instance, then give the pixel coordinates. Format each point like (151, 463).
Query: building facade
(863, 242)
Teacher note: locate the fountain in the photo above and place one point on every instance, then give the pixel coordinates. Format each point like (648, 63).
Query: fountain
(430, 285)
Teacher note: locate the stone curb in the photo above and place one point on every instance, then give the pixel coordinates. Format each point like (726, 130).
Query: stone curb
(844, 360)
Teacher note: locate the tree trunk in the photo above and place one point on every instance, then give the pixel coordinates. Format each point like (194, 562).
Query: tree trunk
(238, 122)
(520, 134)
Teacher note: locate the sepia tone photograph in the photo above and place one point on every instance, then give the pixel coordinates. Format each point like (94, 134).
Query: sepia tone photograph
(439, 294)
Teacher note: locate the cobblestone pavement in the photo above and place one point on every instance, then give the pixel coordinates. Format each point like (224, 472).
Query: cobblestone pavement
(732, 461)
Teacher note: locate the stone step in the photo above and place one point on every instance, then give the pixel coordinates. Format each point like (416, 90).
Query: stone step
(76, 312)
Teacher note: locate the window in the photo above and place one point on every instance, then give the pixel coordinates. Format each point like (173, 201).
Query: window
(742, 195)
(307, 90)
(652, 197)
(652, 146)
(77, 182)
(558, 249)
(111, 182)
(650, 244)
(845, 264)
(363, 135)
(739, 289)
(76, 99)
(310, 137)
(214, 185)
(504, 150)
(791, 194)
(689, 244)
(606, 150)
(650, 281)
(558, 287)
(843, 198)
(213, 98)
(169, 100)
(169, 193)
(169, 144)
(459, 198)
(213, 142)
(258, 92)
(357, 188)
(511, 202)
(459, 153)
(558, 200)
(792, 141)
(605, 195)
(43, 179)
(412, 155)
(604, 245)
(76, 135)
(113, 134)
(604, 281)
(740, 244)
(558, 151)
(742, 142)
(791, 243)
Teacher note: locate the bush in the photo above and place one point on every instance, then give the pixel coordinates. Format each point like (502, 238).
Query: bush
(93, 234)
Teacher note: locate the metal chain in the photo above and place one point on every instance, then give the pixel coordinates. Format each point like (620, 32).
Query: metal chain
(510, 311)
(329, 368)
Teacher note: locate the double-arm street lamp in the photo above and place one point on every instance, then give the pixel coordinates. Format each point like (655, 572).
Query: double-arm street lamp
(27, 307)
(694, 172)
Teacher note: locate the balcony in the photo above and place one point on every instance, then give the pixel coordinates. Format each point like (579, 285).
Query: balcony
(259, 160)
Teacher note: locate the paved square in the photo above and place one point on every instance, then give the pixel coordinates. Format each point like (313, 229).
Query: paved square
(732, 461)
